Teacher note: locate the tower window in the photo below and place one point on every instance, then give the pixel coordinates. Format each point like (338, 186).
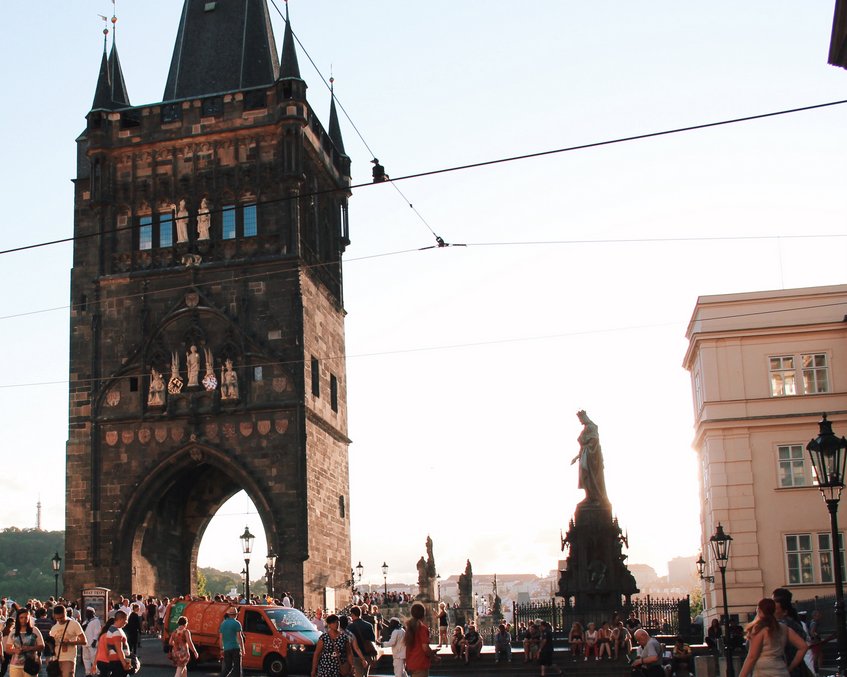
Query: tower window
(342, 510)
(166, 229)
(133, 384)
(333, 392)
(316, 377)
(145, 232)
(228, 232)
(250, 223)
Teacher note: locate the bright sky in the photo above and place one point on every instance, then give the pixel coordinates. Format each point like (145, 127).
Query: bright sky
(466, 365)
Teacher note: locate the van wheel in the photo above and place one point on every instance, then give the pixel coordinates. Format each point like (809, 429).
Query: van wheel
(275, 666)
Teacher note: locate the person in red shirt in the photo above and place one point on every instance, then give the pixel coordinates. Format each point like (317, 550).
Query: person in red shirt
(419, 655)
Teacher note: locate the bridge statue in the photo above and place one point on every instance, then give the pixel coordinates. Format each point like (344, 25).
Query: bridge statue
(590, 457)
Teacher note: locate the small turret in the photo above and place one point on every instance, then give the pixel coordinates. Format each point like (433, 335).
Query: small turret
(334, 128)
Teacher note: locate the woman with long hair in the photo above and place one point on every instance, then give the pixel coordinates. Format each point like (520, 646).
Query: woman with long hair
(575, 640)
(334, 649)
(7, 657)
(419, 654)
(25, 641)
(456, 641)
(113, 648)
(768, 638)
(182, 647)
(442, 624)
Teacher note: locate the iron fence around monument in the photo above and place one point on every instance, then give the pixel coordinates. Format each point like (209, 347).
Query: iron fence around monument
(658, 615)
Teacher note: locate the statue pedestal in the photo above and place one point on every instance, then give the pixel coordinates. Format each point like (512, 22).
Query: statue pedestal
(596, 579)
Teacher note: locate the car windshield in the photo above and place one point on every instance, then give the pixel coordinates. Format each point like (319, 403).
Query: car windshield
(290, 620)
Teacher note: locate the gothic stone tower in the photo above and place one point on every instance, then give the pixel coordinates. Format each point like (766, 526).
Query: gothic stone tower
(207, 325)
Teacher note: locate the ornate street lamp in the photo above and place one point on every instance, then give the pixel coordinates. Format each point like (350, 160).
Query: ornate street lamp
(247, 548)
(828, 458)
(721, 543)
(270, 565)
(243, 579)
(438, 578)
(359, 570)
(385, 579)
(57, 565)
(701, 570)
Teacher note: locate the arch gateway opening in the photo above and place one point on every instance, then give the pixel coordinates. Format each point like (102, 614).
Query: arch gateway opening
(207, 318)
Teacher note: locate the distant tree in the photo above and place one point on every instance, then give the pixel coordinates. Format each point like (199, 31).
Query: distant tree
(201, 583)
(25, 569)
(696, 596)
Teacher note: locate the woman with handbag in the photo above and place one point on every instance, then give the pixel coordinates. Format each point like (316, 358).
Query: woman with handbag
(334, 653)
(24, 643)
(182, 647)
(113, 648)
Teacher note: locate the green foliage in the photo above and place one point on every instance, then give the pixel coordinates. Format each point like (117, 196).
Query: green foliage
(26, 569)
(696, 596)
(216, 582)
(201, 583)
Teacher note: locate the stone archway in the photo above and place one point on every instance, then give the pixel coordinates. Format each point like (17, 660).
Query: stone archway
(167, 515)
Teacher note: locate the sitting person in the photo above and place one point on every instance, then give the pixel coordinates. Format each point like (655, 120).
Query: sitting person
(502, 645)
(575, 640)
(456, 641)
(591, 638)
(532, 641)
(472, 644)
(621, 640)
(680, 658)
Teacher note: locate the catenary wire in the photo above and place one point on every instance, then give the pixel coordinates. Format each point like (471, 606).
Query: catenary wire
(349, 119)
(476, 165)
(294, 266)
(454, 346)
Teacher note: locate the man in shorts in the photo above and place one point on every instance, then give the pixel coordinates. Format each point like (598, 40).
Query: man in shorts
(68, 635)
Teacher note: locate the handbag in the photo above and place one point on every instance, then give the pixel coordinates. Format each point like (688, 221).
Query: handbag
(32, 666)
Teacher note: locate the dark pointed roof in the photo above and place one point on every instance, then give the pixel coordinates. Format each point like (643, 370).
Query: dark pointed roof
(334, 127)
(116, 76)
(222, 46)
(103, 93)
(289, 68)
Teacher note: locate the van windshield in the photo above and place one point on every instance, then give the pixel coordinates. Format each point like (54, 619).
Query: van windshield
(290, 620)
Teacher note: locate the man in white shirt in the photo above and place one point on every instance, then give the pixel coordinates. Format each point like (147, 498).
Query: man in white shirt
(91, 626)
(68, 635)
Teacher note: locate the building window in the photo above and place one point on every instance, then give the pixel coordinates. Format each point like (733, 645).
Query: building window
(782, 376)
(815, 377)
(145, 232)
(698, 391)
(257, 374)
(333, 392)
(166, 229)
(250, 223)
(342, 509)
(813, 374)
(793, 468)
(809, 558)
(316, 377)
(228, 229)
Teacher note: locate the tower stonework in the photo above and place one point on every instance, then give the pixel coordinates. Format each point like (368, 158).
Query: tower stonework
(207, 320)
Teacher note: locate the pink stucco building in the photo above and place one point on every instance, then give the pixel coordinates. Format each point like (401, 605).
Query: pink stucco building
(764, 366)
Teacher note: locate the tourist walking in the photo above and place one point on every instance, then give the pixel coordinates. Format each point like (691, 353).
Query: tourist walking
(68, 635)
(419, 655)
(333, 650)
(112, 648)
(397, 643)
(7, 630)
(91, 626)
(768, 639)
(24, 644)
(182, 647)
(545, 651)
(133, 628)
(232, 644)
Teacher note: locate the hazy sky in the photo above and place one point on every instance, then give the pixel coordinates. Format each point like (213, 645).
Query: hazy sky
(466, 365)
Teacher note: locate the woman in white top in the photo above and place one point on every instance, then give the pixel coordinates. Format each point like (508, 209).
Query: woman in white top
(398, 646)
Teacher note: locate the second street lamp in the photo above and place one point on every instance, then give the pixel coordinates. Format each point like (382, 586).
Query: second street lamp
(270, 565)
(721, 543)
(385, 580)
(57, 565)
(247, 548)
(828, 458)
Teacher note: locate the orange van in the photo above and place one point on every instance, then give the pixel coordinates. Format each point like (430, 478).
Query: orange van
(278, 640)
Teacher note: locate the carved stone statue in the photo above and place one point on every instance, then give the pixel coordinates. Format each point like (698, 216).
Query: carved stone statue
(591, 474)
(175, 383)
(182, 222)
(229, 382)
(210, 382)
(430, 560)
(423, 580)
(466, 587)
(156, 393)
(203, 220)
(192, 364)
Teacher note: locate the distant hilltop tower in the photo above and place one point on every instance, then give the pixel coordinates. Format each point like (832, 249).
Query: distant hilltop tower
(207, 320)
(38, 514)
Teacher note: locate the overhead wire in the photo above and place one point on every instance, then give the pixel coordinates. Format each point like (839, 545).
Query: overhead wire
(476, 165)
(454, 346)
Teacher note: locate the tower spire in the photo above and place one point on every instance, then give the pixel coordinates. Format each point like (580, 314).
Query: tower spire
(116, 74)
(103, 91)
(288, 66)
(334, 127)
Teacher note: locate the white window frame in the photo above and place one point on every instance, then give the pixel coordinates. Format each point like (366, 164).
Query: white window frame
(808, 557)
(790, 458)
(790, 375)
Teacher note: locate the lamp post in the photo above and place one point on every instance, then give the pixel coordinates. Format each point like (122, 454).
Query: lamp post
(438, 578)
(247, 548)
(270, 565)
(828, 458)
(721, 543)
(385, 579)
(243, 583)
(57, 564)
(701, 570)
